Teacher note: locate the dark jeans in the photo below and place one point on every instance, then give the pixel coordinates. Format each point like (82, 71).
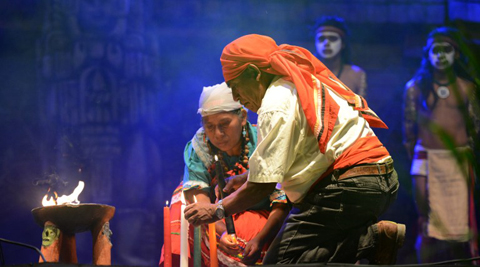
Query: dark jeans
(335, 222)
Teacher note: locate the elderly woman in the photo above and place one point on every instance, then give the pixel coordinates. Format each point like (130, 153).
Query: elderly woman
(227, 134)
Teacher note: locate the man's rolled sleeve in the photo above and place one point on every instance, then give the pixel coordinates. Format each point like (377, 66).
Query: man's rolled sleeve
(274, 153)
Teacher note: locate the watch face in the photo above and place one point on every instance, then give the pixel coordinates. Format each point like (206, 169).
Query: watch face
(219, 212)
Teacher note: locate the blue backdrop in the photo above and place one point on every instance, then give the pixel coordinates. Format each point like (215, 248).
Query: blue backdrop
(107, 92)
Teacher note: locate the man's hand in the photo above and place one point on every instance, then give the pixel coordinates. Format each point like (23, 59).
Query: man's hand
(410, 147)
(200, 213)
(252, 251)
(234, 182)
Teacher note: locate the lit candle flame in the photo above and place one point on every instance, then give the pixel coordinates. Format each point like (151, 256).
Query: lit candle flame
(234, 238)
(195, 198)
(166, 204)
(216, 158)
(182, 199)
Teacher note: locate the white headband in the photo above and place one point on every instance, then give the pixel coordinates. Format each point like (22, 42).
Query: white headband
(216, 99)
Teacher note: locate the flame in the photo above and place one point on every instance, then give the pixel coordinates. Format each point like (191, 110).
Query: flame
(234, 238)
(71, 199)
(182, 199)
(48, 202)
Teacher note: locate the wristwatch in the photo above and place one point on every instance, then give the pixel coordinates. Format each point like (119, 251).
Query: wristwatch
(219, 210)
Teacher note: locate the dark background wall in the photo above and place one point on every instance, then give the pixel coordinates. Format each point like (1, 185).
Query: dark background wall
(107, 91)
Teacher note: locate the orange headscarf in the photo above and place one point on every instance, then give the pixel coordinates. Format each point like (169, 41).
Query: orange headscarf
(299, 66)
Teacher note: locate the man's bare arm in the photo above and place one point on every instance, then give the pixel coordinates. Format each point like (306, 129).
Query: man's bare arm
(246, 196)
(410, 110)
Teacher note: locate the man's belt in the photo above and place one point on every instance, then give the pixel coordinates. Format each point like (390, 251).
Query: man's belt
(364, 170)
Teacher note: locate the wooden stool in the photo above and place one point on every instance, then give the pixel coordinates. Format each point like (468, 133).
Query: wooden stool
(60, 223)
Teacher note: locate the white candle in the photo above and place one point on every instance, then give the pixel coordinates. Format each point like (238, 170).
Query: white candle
(183, 236)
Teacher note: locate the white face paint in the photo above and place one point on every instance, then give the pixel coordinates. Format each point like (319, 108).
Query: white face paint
(328, 43)
(441, 55)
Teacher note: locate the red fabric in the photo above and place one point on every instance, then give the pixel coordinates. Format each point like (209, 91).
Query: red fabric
(297, 65)
(247, 225)
(365, 150)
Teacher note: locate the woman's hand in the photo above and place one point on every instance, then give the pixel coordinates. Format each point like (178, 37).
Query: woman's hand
(232, 184)
(252, 251)
(228, 244)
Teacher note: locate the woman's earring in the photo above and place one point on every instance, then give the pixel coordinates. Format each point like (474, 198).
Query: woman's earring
(245, 149)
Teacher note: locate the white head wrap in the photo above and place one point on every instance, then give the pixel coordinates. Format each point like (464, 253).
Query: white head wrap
(216, 99)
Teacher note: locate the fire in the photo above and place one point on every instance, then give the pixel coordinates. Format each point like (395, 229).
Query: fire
(71, 199)
(50, 201)
(182, 199)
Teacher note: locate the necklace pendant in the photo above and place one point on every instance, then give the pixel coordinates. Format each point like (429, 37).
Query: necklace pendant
(443, 92)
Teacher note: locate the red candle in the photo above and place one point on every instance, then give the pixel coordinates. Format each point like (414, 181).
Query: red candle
(167, 237)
